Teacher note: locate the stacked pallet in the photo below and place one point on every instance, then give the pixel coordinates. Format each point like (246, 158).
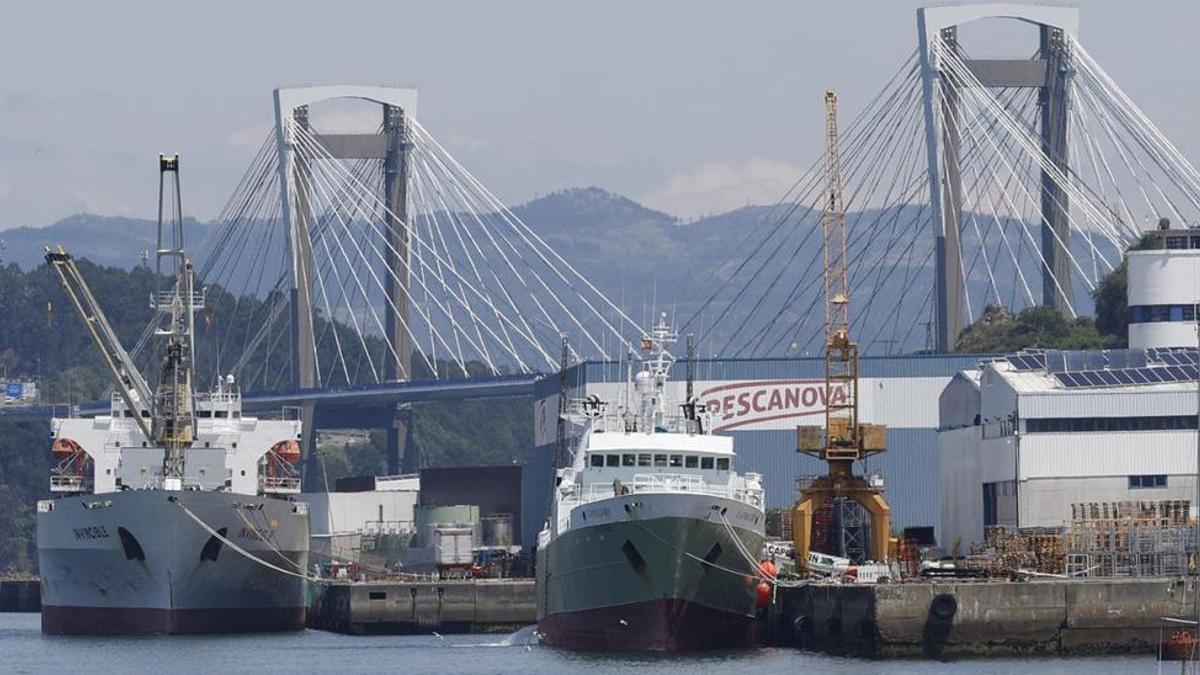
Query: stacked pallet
(1132, 539)
(1006, 551)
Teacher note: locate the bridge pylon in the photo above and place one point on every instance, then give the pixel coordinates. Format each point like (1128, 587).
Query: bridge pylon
(1049, 72)
(391, 146)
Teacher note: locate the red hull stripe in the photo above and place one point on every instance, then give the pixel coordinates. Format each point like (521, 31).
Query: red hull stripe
(145, 621)
(671, 625)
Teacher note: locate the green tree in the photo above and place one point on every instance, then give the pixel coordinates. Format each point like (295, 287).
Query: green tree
(999, 331)
(1112, 297)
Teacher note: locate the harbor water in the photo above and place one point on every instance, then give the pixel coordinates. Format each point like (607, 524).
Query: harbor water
(25, 650)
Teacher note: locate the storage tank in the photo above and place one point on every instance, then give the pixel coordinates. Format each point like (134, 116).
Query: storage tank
(429, 518)
(497, 529)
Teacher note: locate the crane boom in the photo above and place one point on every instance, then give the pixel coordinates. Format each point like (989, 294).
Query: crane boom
(841, 355)
(844, 440)
(127, 379)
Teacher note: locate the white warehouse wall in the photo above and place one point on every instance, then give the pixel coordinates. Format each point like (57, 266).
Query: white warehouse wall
(343, 512)
(1163, 277)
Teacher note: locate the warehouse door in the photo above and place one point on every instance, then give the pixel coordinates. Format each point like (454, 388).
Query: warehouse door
(989, 504)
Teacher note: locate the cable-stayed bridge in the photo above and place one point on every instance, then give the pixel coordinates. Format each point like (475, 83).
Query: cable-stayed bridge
(355, 271)
(970, 181)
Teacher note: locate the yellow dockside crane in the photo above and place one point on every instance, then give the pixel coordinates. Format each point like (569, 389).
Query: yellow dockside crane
(844, 439)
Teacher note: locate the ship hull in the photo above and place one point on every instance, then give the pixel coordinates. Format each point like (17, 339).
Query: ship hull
(663, 575)
(135, 562)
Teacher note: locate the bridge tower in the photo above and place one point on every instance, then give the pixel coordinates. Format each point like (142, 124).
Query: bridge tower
(391, 147)
(1050, 73)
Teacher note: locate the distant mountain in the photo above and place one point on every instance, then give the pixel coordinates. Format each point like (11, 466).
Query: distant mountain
(644, 259)
(105, 240)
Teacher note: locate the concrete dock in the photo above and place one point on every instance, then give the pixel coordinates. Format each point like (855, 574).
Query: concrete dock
(400, 607)
(1086, 616)
(20, 595)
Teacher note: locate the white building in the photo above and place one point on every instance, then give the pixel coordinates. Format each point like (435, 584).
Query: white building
(1164, 287)
(388, 508)
(1026, 436)
(1023, 437)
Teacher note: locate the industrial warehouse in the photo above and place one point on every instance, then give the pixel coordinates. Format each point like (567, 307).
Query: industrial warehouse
(1047, 439)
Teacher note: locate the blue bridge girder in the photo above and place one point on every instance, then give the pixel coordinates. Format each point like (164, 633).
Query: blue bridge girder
(331, 401)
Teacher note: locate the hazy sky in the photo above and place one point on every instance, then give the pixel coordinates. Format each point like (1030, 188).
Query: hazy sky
(688, 106)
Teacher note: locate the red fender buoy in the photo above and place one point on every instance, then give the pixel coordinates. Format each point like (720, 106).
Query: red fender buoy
(763, 593)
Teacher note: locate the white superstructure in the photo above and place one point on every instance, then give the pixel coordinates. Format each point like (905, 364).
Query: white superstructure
(231, 452)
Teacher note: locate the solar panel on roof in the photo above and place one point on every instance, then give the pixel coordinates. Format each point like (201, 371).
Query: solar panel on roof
(1023, 362)
(1066, 378)
(1152, 374)
(1177, 373)
(1109, 378)
(1122, 376)
(1137, 376)
(1190, 371)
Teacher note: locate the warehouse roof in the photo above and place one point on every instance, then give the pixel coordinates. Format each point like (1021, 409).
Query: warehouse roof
(1045, 371)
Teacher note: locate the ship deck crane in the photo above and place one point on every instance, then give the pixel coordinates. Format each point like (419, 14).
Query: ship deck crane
(164, 415)
(844, 438)
(127, 380)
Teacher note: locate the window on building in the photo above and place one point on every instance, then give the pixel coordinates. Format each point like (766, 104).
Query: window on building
(1148, 481)
(643, 460)
(628, 460)
(722, 464)
(1156, 313)
(597, 461)
(612, 460)
(691, 461)
(1177, 242)
(706, 462)
(1091, 424)
(660, 460)
(676, 461)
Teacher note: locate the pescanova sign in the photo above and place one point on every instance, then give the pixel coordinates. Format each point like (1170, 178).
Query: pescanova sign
(737, 404)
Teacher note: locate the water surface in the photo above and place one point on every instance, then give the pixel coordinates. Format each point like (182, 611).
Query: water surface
(23, 649)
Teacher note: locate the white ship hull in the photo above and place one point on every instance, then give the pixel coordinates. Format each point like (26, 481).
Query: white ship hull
(136, 562)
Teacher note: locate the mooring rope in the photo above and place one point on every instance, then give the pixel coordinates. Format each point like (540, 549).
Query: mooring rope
(267, 541)
(238, 549)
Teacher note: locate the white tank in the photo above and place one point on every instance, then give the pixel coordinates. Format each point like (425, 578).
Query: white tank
(1163, 289)
(643, 382)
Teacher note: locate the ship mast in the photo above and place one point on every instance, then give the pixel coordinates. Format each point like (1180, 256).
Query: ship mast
(173, 424)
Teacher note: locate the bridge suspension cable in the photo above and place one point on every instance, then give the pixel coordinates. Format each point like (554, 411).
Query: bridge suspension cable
(1123, 174)
(481, 292)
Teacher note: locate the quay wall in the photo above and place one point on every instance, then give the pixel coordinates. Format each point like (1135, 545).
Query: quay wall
(20, 595)
(931, 619)
(450, 606)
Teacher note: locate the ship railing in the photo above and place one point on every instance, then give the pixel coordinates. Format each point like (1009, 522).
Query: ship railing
(165, 299)
(647, 483)
(279, 484)
(620, 424)
(68, 483)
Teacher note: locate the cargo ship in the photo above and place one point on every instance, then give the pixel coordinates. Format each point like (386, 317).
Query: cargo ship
(653, 538)
(173, 512)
